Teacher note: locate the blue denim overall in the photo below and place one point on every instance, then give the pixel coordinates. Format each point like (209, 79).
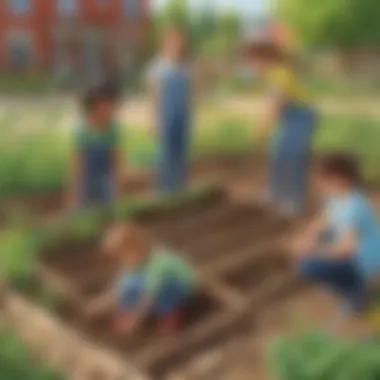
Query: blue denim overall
(290, 154)
(96, 183)
(173, 125)
(169, 298)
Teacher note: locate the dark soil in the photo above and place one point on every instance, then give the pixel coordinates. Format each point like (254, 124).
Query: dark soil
(211, 234)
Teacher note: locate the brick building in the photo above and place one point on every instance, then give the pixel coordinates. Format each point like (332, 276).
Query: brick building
(70, 36)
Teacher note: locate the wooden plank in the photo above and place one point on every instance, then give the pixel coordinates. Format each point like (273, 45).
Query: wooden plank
(243, 257)
(227, 239)
(198, 336)
(59, 283)
(225, 295)
(274, 286)
(211, 217)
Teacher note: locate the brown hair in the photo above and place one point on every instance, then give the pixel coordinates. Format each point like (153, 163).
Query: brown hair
(126, 236)
(104, 92)
(341, 166)
(267, 50)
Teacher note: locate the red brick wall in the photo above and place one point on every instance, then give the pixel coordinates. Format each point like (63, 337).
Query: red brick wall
(43, 16)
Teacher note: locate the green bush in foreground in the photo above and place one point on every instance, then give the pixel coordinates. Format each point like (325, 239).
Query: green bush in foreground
(315, 355)
(16, 362)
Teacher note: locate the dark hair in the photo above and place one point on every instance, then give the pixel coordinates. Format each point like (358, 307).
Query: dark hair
(267, 50)
(341, 166)
(105, 92)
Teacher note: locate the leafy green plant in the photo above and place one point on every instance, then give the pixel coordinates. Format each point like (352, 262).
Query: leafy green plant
(316, 355)
(18, 255)
(16, 362)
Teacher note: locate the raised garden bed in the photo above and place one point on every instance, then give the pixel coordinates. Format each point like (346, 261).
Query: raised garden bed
(236, 249)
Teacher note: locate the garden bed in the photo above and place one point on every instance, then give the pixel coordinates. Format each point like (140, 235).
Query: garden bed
(50, 205)
(239, 257)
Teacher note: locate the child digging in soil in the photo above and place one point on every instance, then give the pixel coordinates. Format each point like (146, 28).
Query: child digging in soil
(289, 107)
(97, 169)
(153, 281)
(341, 249)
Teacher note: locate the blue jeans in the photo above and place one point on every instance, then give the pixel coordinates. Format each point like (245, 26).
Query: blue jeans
(289, 160)
(173, 155)
(169, 298)
(96, 192)
(341, 276)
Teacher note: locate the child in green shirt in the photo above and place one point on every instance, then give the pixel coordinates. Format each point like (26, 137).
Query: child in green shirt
(153, 280)
(97, 166)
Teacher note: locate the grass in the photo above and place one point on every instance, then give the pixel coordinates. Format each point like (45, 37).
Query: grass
(35, 148)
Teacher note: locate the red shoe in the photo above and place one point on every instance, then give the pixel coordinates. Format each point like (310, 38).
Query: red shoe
(169, 324)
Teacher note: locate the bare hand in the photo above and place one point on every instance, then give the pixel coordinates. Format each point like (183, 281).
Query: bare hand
(125, 324)
(302, 246)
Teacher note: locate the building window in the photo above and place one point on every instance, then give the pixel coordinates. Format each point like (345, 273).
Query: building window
(66, 7)
(131, 8)
(19, 6)
(19, 49)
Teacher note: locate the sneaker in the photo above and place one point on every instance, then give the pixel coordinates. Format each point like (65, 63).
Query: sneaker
(169, 324)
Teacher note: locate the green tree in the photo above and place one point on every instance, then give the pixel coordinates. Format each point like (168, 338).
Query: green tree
(224, 37)
(175, 13)
(343, 24)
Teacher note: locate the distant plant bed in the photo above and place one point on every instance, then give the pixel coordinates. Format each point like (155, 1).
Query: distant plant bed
(26, 84)
(16, 362)
(315, 355)
(37, 163)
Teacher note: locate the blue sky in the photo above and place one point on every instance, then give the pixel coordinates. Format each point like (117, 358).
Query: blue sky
(243, 6)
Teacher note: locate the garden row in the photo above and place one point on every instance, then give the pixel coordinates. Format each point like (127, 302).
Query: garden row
(33, 159)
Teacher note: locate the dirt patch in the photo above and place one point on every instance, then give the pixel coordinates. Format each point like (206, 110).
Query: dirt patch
(222, 239)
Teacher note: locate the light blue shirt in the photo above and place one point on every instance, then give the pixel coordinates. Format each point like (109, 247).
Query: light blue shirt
(354, 212)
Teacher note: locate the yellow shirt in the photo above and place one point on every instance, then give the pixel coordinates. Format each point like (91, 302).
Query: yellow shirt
(284, 83)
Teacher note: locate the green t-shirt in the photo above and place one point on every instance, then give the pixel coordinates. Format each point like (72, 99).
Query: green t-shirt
(164, 264)
(109, 136)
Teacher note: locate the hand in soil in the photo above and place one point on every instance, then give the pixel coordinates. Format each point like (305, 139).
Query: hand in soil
(124, 324)
(302, 246)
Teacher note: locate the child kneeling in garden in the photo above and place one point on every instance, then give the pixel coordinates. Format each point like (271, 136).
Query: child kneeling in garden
(341, 249)
(153, 281)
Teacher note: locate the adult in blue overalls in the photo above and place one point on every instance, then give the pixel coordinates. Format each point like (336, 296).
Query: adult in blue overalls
(97, 166)
(170, 87)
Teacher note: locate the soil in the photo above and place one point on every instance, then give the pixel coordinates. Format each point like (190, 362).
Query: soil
(247, 287)
(51, 204)
(210, 235)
